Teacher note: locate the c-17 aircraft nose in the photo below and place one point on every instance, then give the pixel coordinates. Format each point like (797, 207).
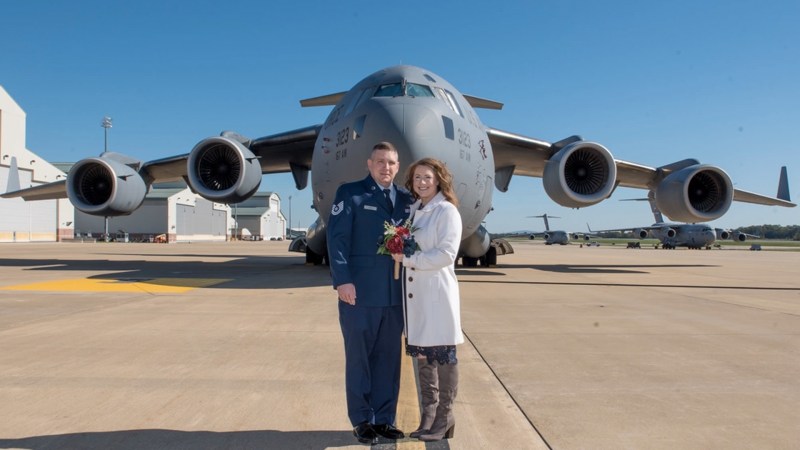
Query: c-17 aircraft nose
(416, 129)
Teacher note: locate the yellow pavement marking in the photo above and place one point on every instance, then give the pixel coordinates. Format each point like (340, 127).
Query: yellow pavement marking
(408, 405)
(150, 285)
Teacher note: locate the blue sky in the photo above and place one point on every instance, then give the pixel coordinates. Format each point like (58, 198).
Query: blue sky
(653, 81)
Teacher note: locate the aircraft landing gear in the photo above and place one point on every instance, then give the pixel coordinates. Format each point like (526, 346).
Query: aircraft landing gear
(314, 258)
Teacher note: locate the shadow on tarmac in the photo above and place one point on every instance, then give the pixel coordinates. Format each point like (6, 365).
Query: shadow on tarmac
(578, 268)
(241, 272)
(194, 440)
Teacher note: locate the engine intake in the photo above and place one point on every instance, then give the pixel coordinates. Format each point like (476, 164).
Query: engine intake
(223, 170)
(581, 174)
(103, 186)
(696, 193)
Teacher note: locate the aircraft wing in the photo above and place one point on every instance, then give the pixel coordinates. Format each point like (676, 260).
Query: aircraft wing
(49, 191)
(751, 197)
(276, 153)
(623, 230)
(290, 151)
(515, 154)
(528, 156)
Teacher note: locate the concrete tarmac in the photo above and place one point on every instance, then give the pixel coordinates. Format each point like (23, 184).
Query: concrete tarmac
(237, 346)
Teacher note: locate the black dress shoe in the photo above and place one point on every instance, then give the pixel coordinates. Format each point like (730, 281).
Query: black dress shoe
(388, 431)
(365, 433)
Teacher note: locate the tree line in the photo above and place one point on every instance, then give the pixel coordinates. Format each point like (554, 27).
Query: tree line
(787, 233)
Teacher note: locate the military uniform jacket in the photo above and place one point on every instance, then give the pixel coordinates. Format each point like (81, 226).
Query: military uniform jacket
(432, 300)
(355, 230)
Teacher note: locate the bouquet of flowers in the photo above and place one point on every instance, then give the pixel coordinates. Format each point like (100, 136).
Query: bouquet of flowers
(398, 239)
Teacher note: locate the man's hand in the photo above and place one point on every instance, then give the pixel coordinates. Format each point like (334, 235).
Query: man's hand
(347, 293)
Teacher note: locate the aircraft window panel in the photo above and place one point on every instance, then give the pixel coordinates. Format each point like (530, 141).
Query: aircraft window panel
(389, 90)
(358, 127)
(418, 90)
(444, 98)
(449, 129)
(453, 103)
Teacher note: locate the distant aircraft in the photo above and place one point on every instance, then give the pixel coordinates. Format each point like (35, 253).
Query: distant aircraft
(423, 116)
(691, 235)
(556, 236)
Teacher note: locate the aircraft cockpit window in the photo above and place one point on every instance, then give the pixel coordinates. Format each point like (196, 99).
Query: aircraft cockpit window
(389, 90)
(451, 101)
(418, 90)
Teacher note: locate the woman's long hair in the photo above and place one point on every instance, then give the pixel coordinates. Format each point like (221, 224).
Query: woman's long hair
(443, 176)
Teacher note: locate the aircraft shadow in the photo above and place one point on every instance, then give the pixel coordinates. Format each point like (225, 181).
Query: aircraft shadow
(192, 440)
(579, 268)
(242, 272)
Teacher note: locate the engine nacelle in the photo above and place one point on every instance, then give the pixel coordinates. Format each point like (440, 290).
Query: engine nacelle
(223, 170)
(640, 233)
(696, 193)
(668, 232)
(105, 186)
(733, 235)
(580, 174)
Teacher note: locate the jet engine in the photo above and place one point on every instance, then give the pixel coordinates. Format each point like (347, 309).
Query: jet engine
(731, 234)
(105, 186)
(223, 170)
(640, 233)
(737, 236)
(668, 232)
(581, 174)
(696, 193)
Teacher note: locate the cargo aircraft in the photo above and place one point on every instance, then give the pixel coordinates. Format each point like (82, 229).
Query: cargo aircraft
(423, 116)
(560, 237)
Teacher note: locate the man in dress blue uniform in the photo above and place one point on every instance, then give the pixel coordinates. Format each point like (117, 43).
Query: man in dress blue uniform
(370, 299)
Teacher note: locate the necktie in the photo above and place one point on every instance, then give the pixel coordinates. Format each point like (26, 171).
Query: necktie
(388, 194)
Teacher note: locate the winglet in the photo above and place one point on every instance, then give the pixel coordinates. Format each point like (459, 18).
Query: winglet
(783, 186)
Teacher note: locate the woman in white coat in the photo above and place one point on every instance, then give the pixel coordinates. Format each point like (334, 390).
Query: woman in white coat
(432, 304)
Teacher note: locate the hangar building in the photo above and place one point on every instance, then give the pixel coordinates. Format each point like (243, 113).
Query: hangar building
(21, 221)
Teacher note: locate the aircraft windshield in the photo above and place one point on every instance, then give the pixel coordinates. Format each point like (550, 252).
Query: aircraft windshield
(418, 90)
(396, 90)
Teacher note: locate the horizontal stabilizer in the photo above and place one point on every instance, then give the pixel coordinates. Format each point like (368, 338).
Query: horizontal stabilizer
(323, 100)
(477, 102)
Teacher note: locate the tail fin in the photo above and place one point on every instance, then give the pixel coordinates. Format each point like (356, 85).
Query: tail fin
(783, 186)
(13, 176)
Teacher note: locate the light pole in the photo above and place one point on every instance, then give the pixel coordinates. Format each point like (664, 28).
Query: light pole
(291, 235)
(106, 124)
